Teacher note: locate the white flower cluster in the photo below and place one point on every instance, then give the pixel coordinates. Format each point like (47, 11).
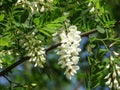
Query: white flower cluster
(68, 50)
(35, 51)
(112, 77)
(35, 6)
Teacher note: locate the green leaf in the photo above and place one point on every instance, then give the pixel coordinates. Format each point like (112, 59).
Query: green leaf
(60, 19)
(100, 29)
(36, 21)
(2, 17)
(52, 26)
(44, 32)
(4, 41)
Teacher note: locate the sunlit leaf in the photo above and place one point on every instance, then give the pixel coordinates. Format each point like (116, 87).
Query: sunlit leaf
(36, 21)
(4, 41)
(2, 17)
(100, 29)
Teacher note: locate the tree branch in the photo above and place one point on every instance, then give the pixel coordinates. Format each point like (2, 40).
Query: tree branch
(88, 33)
(23, 59)
(9, 68)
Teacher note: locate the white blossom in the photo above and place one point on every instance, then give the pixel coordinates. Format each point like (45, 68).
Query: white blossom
(89, 4)
(71, 70)
(111, 58)
(68, 50)
(35, 5)
(19, 1)
(118, 72)
(35, 51)
(1, 66)
(92, 9)
(106, 77)
(108, 82)
(42, 9)
(117, 67)
(113, 83)
(108, 66)
(115, 53)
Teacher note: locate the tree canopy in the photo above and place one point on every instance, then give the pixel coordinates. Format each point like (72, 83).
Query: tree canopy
(59, 45)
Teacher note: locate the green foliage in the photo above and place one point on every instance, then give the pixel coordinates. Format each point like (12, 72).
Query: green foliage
(19, 24)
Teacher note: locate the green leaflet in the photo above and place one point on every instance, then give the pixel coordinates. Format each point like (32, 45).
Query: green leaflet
(36, 21)
(2, 17)
(100, 29)
(4, 41)
(44, 32)
(51, 27)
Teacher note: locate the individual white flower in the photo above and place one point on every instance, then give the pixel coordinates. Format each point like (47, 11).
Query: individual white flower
(42, 9)
(19, 1)
(118, 72)
(92, 9)
(73, 28)
(1, 66)
(34, 84)
(108, 82)
(108, 66)
(111, 58)
(115, 81)
(106, 77)
(89, 4)
(115, 53)
(75, 59)
(70, 71)
(117, 67)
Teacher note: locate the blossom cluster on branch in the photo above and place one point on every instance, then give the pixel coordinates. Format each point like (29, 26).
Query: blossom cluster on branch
(36, 5)
(112, 77)
(68, 50)
(35, 51)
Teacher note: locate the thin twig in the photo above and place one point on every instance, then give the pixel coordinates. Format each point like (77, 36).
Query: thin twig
(9, 68)
(52, 47)
(88, 33)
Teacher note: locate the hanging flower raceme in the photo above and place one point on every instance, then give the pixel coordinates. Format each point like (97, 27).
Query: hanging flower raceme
(68, 50)
(35, 51)
(112, 77)
(35, 5)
